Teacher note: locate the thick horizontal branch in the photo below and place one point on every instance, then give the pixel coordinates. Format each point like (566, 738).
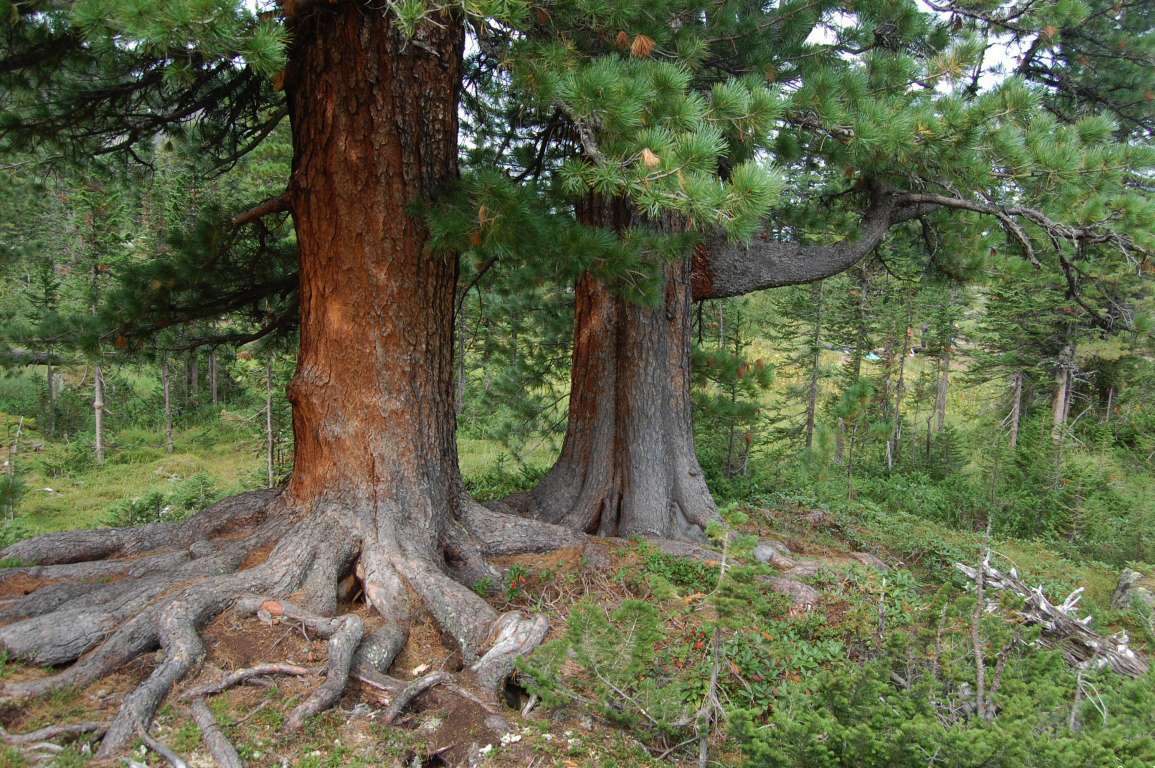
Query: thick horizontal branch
(723, 269)
(278, 204)
(28, 357)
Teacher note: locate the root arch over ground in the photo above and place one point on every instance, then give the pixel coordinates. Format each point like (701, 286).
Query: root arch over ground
(96, 600)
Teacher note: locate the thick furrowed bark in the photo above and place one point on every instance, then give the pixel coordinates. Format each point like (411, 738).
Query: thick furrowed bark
(501, 534)
(323, 575)
(464, 558)
(47, 599)
(628, 464)
(62, 636)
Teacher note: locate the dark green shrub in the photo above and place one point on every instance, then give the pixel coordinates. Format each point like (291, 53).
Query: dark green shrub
(498, 481)
(186, 499)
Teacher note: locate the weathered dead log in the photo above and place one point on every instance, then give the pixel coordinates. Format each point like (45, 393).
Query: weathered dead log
(1080, 645)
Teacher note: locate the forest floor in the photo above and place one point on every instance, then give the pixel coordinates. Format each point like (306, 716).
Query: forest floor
(444, 728)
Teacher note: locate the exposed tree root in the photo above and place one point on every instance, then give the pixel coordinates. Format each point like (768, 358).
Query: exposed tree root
(165, 751)
(513, 636)
(51, 732)
(410, 692)
(241, 675)
(99, 599)
(343, 633)
(213, 737)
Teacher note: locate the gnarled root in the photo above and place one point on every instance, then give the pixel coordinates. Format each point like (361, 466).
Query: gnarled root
(99, 599)
(213, 737)
(344, 634)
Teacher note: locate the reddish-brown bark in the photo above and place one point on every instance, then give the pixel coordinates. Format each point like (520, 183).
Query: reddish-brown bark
(374, 129)
(375, 486)
(628, 464)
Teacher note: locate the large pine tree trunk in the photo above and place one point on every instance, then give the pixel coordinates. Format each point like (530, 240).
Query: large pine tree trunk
(374, 120)
(375, 488)
(628, 464)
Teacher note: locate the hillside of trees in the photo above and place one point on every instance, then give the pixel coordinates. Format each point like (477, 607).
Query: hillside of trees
(707, 383)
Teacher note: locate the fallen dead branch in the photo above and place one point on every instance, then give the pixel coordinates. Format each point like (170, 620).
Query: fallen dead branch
(1080, 645)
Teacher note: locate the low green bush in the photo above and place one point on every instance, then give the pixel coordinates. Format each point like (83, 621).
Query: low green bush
(194, 494)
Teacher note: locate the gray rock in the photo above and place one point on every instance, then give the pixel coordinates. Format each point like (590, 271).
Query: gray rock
(803, 570)
(1135, 589)
(775, 553)
(816, 518)
(870, 561)
(802, 595)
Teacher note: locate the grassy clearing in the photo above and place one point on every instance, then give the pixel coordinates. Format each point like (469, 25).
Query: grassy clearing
(66, 489)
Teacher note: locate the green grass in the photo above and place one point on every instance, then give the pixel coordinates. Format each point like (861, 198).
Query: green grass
(137, 462)
(477, 455)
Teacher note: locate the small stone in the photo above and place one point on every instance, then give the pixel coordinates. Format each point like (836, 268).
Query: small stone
(774, 553)
(500, 726)
(803, 570)
(870, 561)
